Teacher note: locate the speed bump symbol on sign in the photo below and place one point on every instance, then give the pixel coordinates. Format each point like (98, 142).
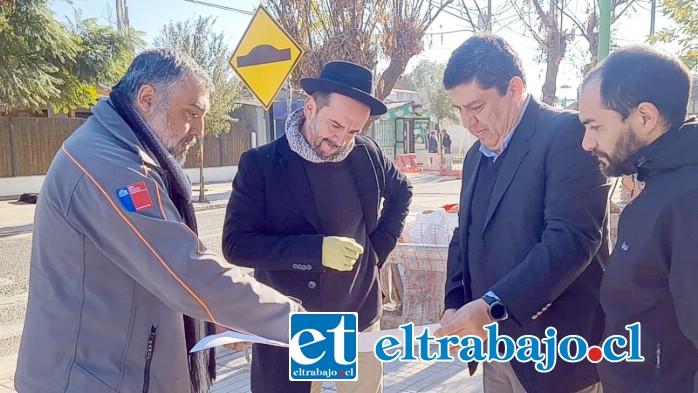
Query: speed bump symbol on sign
(264, 54)
(265, 57)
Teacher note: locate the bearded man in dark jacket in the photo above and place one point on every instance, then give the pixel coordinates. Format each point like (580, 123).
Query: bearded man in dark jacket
(633, 106)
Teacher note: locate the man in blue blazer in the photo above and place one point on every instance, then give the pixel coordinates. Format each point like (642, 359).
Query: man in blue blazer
(532, 238)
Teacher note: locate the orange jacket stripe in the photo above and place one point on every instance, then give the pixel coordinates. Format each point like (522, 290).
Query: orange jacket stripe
(157, 191)
(116, 209)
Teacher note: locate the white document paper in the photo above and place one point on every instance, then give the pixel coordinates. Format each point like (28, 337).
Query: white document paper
(232, 337)
(366, 340)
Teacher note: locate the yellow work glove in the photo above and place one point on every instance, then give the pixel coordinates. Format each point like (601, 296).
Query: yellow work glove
(340, 253)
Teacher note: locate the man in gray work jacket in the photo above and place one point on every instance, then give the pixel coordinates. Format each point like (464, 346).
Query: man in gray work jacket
(116, 261)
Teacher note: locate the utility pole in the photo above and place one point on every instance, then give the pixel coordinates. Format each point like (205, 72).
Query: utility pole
(122, 23)
(604, 29)
(652, 16)
(488, 27)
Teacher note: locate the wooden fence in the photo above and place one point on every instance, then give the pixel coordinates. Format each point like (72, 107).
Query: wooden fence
(28, 144)
(223, 150)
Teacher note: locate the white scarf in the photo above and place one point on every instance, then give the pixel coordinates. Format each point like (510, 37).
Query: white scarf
(300, 146)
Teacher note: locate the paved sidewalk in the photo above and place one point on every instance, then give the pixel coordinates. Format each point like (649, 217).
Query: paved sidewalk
(234, 377)
(17, 217)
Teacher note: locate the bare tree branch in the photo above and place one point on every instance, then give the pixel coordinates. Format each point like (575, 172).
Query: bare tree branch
(469, 17)
(541, 14)
(574, 20)
(618, 15)
(530, 28)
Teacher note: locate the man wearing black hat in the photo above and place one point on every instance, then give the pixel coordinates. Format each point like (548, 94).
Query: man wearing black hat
(304, 214)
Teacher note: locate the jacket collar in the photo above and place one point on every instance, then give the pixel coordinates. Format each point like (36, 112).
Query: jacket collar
(363, 171)
(106, 115)
(673, 149)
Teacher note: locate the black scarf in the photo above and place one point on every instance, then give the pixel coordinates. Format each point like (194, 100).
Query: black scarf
(202, 365)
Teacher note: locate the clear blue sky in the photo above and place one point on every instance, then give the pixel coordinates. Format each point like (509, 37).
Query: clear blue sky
(150, 16)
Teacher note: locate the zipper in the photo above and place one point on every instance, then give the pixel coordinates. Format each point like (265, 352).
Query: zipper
(658, 363)
(149, 358)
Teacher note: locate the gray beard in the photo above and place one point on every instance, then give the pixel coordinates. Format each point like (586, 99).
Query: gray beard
(180, 160)
(160, 127)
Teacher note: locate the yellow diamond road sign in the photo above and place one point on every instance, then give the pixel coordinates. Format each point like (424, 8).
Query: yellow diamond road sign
(265, 57)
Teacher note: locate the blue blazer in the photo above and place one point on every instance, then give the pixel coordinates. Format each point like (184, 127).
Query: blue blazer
(546, 239)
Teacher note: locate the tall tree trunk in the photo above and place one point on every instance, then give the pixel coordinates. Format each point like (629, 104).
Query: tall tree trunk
(556, 52)
(385, 85)
(592, 35)
(387, 81)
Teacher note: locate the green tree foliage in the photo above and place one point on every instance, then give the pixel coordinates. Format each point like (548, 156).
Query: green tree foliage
(105, 54)
(34, 47)
(102, 57)
(685, 34)
(426, 78)
(197, 38)
(45, 63)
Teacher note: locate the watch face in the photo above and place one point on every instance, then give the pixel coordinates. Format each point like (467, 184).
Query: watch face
(498, 311)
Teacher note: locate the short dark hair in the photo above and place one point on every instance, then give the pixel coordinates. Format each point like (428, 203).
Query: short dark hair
(640, 73)
(162, 68)
(322, 99)
(486, 59)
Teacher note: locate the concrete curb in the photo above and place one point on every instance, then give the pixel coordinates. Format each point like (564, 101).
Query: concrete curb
(4, 232)
(198, 206)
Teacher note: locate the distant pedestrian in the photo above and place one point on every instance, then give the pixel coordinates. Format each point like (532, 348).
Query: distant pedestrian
(433, 142)
(446, 141)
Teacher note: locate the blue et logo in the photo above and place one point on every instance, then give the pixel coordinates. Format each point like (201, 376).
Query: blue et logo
(323, 347)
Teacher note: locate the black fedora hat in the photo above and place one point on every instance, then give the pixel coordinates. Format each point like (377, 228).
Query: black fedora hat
(347, 79)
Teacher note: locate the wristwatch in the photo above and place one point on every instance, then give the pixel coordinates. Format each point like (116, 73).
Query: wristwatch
(495, 307)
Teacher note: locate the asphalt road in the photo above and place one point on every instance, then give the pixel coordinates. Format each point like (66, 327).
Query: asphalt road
(14, 275)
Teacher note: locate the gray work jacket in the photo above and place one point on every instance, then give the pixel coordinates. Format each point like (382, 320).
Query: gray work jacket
(113, 268)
